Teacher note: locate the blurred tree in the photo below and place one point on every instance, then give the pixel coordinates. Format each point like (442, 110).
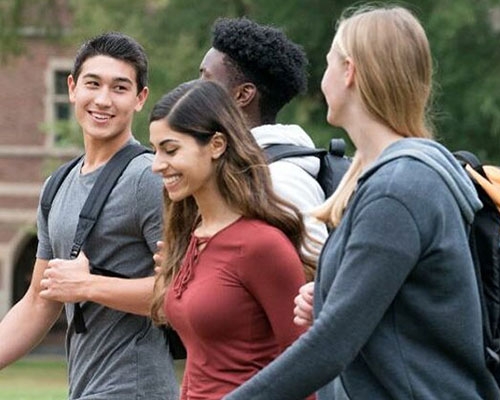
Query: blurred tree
(464, 36)
(10, 20)
(21, 18)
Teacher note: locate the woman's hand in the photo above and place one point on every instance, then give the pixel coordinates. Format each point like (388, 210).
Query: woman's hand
(158, 257)
(303, 310)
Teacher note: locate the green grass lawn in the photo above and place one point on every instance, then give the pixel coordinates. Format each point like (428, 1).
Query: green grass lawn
(34, 378)
(41, 378)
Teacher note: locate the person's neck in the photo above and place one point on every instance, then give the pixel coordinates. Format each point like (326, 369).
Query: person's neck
(208, 227)
(98, 152)
(371, 138)
(252, 121)
(215, 213)
(253, 117)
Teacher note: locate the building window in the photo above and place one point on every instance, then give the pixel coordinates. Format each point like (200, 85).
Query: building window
(62, 107)
(60, 126)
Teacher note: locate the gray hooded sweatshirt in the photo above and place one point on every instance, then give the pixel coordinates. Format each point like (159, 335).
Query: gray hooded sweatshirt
(397, 312)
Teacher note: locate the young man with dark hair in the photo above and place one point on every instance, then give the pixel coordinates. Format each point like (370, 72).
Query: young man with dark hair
(264, 70)
(122, 355)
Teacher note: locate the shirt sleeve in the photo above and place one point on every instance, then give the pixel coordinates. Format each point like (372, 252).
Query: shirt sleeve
(149, 206)
(44, 249)
(374, 257)
(274, 279)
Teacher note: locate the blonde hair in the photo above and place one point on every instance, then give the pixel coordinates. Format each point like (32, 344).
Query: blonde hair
(393, 78)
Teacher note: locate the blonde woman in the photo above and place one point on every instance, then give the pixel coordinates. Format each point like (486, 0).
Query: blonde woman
(396, 307)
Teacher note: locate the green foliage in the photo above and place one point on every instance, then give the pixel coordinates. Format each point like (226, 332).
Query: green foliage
(10, 20)
(21, 18)
(176, 34)
(66, 133)
(467, 54)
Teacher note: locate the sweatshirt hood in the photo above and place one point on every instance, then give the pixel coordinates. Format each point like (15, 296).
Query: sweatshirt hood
(266, 135)
(440, 160)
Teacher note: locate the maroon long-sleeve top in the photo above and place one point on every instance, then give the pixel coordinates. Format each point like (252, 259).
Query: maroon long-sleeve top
(232, 305)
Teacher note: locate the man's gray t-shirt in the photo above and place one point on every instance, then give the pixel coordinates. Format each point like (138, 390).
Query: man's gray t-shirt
(122, 356)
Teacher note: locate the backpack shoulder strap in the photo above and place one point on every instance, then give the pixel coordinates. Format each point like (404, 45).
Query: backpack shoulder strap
(100, 192)
(486, 177)
(93, 207)
(337, 147)
(333, 167)
(333, 162)
(53, 184)
(468, 158)
(276, 152)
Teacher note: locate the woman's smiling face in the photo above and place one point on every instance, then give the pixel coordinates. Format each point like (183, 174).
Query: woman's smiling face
(187, 167)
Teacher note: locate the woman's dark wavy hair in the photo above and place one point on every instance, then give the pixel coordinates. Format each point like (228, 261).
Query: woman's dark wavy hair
(200, 109)
(265, 56)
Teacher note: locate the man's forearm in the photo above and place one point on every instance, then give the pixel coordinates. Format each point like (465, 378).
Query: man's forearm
(25, 325)
(127, 295)
(70, 281)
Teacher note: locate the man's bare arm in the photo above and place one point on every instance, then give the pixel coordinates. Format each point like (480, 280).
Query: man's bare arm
(27, 323)
(70, 281)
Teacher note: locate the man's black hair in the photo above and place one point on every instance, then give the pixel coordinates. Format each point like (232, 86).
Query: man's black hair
(263, 55)
(116, 45)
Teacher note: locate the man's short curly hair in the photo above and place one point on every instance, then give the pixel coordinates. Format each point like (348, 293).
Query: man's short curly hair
(264, 56)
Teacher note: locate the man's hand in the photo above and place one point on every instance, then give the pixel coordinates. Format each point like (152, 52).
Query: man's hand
(66, 281)
(304, 305)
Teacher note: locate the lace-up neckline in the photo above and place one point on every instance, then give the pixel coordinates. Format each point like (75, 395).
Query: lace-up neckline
(193, 251)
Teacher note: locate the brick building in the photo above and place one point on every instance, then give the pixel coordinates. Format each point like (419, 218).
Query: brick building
(33, 109)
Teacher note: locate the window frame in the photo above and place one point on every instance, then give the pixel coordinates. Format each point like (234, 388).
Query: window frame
(53, 99)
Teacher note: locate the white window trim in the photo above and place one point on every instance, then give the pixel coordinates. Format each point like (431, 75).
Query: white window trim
(54, 64)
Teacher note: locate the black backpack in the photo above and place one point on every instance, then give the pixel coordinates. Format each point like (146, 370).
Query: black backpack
(88, 217)
(484, 240)
(333, 163)
(92, 207)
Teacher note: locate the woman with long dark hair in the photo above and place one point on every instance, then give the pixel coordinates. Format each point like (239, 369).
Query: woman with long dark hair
(233, 255)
